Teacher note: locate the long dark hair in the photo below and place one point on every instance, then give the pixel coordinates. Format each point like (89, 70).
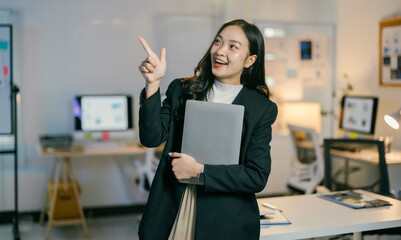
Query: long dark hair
(198, 86)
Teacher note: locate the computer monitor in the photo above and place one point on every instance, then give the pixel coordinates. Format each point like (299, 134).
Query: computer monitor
(100, 113)
(358, 114)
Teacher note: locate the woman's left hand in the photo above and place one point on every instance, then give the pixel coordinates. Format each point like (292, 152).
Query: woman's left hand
(185, 166)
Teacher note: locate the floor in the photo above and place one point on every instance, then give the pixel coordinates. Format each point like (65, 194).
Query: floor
(106, 228)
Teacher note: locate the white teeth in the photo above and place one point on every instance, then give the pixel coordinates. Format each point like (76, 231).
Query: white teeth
(219, 61)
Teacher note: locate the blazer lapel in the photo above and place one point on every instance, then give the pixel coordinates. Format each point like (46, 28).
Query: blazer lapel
(242, 97)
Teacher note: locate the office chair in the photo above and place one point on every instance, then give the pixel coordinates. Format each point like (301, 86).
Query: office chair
(147, 170)
(307, 165)
(346, 149)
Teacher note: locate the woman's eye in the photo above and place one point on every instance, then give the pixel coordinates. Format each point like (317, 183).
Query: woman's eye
(233, 47)
(217, 41)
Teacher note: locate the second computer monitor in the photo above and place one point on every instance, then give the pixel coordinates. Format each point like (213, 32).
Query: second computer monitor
(99, 113)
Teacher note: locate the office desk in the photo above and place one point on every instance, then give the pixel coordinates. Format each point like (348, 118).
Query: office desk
(393, 157)
(393, 160)
(312, 216)
(61, 167)
(131, 148)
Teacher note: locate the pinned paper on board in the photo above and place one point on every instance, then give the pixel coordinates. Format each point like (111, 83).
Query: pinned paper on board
(309, 54)
(390, 52)
(3, 45)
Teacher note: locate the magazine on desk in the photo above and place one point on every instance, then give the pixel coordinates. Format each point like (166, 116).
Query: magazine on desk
(355, 200)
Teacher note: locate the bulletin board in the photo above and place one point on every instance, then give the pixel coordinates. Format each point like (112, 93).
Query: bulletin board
(5, 79)
(390, 52)
(299, 63)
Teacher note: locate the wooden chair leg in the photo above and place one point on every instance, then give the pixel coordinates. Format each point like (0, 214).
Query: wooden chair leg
(48, 230)
(53, 202)
(44, 208)
(46, 200)
(357, 236)
(77, 196)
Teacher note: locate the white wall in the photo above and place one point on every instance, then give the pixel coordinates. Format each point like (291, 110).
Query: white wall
(63, 48)
(358, 55)
(71, 47)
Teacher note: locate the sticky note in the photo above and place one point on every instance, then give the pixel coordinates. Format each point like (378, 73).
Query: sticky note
(3, 45)
(5, 70)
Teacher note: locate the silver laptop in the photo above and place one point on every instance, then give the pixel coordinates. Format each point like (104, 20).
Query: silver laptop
(212, 133)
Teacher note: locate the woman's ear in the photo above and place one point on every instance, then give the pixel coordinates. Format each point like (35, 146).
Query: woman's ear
(250, 60)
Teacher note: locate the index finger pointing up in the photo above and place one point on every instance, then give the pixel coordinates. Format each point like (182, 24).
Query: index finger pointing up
(175, 154)
(145, 45)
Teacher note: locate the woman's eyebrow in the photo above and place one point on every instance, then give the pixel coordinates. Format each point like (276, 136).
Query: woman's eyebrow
(231, 40)
(235, 41)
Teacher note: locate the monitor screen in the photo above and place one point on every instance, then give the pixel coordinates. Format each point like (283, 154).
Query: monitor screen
(97, 113)
(358, 114)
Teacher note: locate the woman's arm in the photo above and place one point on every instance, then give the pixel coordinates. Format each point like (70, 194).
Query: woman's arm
(252, 176)
(153, 120)
(154, 117)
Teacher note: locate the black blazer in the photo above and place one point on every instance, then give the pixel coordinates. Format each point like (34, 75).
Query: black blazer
(226, 206)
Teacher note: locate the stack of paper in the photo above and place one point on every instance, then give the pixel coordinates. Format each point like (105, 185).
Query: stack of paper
(273, 217)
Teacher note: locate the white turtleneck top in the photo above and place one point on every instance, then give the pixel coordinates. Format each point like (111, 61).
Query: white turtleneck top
(223, 93)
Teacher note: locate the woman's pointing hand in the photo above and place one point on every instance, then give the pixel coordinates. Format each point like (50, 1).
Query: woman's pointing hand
(152, 68)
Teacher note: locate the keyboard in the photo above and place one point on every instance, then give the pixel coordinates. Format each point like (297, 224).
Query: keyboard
(105, 144)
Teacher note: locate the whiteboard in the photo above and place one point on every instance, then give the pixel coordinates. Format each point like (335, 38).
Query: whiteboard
(5, 79)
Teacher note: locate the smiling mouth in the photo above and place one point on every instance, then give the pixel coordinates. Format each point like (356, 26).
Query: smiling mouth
(219, 63)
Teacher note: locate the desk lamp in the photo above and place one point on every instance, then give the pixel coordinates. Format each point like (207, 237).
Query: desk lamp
(393, 119)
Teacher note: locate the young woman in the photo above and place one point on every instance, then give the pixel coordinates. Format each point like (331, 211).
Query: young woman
(225, 207)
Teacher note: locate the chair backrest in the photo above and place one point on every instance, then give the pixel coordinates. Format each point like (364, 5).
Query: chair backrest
(350, 151)
(307, 165)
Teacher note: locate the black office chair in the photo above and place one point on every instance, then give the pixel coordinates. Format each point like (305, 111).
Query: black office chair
(338, 148)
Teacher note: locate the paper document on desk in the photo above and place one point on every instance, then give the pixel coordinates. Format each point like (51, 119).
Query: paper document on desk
(273, 217)
(354, 200)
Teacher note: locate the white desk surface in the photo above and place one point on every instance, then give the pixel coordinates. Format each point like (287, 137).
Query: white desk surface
(312, 216)
(393, 157)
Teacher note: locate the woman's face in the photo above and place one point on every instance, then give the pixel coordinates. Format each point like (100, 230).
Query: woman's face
(230, 55)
